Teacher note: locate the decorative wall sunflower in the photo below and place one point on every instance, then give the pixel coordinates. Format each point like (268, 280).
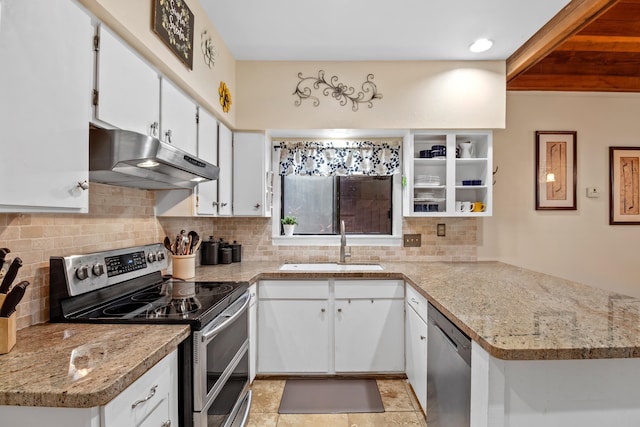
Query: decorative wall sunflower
(225, 97)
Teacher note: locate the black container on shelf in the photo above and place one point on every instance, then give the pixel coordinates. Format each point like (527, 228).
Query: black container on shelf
(236, 251)
(209, 252)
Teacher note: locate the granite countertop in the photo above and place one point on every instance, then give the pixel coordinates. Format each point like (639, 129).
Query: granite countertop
(511, 312)
(81, 365)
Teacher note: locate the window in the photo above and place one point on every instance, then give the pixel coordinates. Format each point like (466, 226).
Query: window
(319, 203)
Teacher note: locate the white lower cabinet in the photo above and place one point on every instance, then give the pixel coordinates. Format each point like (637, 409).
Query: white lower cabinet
(253, 331)
(293, 326)
(369, 320)
(330, 326)
(151, 400)
(416, 344)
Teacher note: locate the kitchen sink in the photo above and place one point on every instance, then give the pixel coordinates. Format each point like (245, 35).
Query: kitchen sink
(328, 266)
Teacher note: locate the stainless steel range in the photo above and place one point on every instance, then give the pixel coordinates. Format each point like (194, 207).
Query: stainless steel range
(127, 286)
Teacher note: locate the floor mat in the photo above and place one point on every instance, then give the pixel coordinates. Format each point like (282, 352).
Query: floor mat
(330, 396)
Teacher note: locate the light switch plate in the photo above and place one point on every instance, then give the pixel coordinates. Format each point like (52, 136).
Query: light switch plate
(441, 230)
(412, 240)
(593, 192)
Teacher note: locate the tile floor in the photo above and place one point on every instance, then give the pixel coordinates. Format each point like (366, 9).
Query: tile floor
(400, 407)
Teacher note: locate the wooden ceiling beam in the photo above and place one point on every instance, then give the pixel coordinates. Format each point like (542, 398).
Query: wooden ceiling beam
(575, 16)
(573, 83)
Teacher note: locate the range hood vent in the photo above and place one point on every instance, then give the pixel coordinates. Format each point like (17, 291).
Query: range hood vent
(130, 159)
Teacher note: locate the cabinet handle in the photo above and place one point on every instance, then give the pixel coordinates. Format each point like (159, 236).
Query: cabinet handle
(223, 204)
(154, 128)
(84, 185)
(166, 424)
(422, 337)
(257, 206)
(152, 393)
(167, 136)
(339, 310)
(413, 300)
(322, 310)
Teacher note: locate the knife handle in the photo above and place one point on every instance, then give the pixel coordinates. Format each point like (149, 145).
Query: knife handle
(13, 299)
(11, 275)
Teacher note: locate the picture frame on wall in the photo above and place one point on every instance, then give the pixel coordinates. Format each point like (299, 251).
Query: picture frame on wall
(624, 179)
(556, 170)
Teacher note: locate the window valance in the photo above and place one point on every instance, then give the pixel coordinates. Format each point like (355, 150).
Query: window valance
(340, 158)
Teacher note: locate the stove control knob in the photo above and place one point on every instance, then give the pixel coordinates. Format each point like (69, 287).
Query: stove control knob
(151, 257)
(98, 269)
(82, 272)
(160, 256)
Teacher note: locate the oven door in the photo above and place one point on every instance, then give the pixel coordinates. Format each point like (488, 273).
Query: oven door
(218, 347)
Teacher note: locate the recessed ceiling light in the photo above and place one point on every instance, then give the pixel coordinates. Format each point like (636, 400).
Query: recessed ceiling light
(480, 45)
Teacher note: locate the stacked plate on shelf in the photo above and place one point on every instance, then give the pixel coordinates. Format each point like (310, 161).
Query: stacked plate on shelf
(427, 180)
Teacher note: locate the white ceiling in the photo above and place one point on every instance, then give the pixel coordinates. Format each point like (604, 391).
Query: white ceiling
(357, 30)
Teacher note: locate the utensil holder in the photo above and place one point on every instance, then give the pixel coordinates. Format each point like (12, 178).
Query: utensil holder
(7, 330)
(184, 266)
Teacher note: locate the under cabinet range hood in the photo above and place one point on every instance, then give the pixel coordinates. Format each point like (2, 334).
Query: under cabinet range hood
(130, 159)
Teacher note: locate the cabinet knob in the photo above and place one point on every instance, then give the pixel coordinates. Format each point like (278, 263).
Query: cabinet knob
(166, 424)
(415, 301)
(167, 136)
(422, 337)
(257, 206)
(223, 204)
(153, 129)
(339, 310)
(84, 185)
(322, 310)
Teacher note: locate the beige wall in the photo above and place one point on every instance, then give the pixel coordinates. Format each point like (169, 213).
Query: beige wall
(578, 245)
(131, 19)
(434, 94)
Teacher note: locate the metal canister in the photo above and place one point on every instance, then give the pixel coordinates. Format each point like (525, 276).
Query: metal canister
(236, 251)
(209, 252)
(226, 255)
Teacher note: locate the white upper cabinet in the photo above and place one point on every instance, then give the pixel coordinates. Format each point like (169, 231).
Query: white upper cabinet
(225, 163)
(448, 173)
(178, 118)
(207, 192)
(128, 89)
(45, 97)
(251, 175)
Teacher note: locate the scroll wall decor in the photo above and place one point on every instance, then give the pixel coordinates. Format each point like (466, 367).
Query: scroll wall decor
(340, 91)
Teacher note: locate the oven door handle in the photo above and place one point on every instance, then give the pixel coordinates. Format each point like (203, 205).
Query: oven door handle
(210, 333)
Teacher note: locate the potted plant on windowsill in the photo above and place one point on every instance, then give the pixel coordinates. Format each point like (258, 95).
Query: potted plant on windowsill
(289, 224)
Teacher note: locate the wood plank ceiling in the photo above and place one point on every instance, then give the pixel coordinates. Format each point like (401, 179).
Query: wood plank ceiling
(591, 45)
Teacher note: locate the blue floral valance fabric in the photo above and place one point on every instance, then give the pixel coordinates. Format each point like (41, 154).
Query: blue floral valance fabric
(340, 158)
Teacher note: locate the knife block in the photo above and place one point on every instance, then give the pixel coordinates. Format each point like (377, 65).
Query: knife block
(7, 330)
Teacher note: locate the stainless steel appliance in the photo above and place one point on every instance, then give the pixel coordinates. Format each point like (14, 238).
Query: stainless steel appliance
(127, 286)
(131, 159)
(448, 373)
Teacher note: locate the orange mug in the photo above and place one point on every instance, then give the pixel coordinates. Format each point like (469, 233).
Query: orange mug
(479, 207)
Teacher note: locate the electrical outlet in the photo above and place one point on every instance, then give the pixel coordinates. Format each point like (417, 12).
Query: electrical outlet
(412, 240)
(441, 230)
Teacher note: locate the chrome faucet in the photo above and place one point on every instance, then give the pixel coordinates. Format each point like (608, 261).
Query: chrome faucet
(343, 244)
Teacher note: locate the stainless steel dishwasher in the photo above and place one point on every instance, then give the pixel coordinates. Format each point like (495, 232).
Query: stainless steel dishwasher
(448, 373)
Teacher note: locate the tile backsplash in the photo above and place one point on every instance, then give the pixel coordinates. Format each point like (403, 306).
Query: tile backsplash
(120, 217)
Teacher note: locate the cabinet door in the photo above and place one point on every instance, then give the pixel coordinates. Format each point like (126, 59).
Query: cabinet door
(178, 118)
(253, 332)
(128, 88)
(225, 163)
(369, 335)
(416, 354)
(45, 107)
(293, 336)
(249, 174)
(207, 192)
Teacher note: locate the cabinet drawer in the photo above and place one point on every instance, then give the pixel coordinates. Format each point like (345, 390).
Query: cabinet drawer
(417, 301)
(151, 394)
(293, 289)
(355, 289)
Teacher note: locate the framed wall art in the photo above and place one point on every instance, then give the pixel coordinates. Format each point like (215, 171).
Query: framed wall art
(624, 178)
(173, 23)
(556, 170)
